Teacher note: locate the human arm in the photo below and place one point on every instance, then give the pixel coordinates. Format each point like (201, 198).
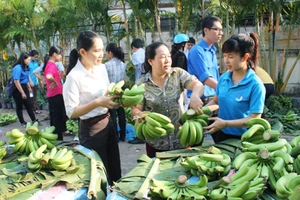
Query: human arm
(37, 73)
(197, 89)
(211, 82)
(19, 87)
(220, 123)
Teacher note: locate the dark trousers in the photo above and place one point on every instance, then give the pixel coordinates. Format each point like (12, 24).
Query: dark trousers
(151, 151)
(20, 102)
(270, 89)
(220, 136)
(33, 99)
(120, 114)
(57, 114)
(105, 143)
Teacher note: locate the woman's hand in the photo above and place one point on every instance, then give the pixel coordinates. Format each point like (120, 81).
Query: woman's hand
(24, 95)
(217, 125)
(53, 85)
(196, 103)
(107, 101)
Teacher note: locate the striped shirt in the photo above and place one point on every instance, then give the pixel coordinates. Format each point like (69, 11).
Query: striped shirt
(115, 70)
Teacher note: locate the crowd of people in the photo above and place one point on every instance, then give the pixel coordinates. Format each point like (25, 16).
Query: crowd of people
(187, 76)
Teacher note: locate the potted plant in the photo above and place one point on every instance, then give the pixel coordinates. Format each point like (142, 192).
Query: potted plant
(41, 99)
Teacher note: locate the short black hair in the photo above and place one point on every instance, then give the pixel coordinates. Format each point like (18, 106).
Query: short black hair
(137, 43)
(192, 40)
(208, 22)
(33, 52)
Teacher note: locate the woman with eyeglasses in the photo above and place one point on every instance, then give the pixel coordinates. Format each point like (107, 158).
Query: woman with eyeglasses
(240, 93)
(54, 91)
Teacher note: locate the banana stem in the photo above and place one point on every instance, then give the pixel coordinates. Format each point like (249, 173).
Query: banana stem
(181, 181)
(271, 135)
(223, 181)
(93, 180)
(45, 159)
(264, 154)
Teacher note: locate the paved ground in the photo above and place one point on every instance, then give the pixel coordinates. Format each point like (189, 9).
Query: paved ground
(129, 153)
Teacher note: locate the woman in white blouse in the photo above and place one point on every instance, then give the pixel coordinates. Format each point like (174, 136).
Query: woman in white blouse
(85, 96)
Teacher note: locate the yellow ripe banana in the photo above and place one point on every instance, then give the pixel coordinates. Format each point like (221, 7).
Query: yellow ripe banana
(65, 158)
(19, 145)
(39, 151)
(45, 141)
(33, 159)
(152, 122)
(110, 87)
(15, 140)
(9, 135)
(160, 118)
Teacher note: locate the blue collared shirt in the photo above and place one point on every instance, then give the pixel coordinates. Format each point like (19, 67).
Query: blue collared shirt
(115, 70)
(19, 74)
(239, 100)
(32, 66)
(203, 63)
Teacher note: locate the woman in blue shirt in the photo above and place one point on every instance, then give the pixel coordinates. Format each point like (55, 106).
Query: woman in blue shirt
(20, 75)
(240, 93)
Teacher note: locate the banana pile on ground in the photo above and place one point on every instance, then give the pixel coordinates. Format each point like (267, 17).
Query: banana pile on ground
(55, 159)
(242, 185)
(295, 152)
(7, 119)
(289, 117)
(191, 132)
(128, 97)
(288, 186)
(2, 150)
(270, 165)
(259, 135)
(179, 189)
(152, 125)
(213, 166)
(32, 139)
(72, 125)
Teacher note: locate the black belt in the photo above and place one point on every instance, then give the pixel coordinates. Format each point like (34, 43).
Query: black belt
(96, 119)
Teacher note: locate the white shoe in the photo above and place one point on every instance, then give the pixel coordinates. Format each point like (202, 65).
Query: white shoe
(76, 138)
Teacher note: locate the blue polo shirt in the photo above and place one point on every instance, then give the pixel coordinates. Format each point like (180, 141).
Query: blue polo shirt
(32, 66)
(203, 63)
(19, 74)
(240, 100)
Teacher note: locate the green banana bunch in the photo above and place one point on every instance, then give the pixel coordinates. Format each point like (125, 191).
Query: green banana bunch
(7, 118)
(2, 152)
(152, 125)
(191, 114)
(32, 139)
(289, 117)
(295, 144)
(241, 185)
(297, 164)
(60, 159)
(212, 165)
(179, 189)
(191, 132)
(287, 184)
(35, 157)
(133, 96)
(72, 125)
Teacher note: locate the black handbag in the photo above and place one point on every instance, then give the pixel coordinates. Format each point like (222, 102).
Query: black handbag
(10, 87)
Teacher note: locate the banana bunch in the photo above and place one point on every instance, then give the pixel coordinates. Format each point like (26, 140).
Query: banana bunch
(191, 114)
(295, 152)
(32, 139)
(179, 189)
(191, 132)
(287, 185)
(289, 117)
(55, 159)
(128, 97)
(270, 165)
(241, 185)
(2, 150)
(72, 125)
(212, 165)
(152, 125)
(259, 131)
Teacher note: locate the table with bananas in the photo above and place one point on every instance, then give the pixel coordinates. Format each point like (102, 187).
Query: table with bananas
(262, 165)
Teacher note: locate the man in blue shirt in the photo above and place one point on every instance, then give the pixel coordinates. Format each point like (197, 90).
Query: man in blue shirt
(203, 61)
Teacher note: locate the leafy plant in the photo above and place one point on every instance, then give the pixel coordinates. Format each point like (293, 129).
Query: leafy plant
(41, 98)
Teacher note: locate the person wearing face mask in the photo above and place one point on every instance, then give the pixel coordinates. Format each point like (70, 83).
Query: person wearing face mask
(20, 76)
(85, 96)
(164, 85)
(54, 87)
(240, 93)
(203, 62)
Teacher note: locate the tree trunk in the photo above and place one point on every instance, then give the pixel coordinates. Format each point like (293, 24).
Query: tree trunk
(136, 31)
(126, 29)
(157, 19)
(271, 47)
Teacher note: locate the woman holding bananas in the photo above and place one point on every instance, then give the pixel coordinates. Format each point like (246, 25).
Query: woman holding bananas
(240, 93)
(164, 85)
(85, 96)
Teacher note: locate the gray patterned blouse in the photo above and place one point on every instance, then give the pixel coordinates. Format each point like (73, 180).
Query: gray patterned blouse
(166, 101)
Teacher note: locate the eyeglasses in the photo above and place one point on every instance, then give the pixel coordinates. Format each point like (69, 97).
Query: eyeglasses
(218, 29)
